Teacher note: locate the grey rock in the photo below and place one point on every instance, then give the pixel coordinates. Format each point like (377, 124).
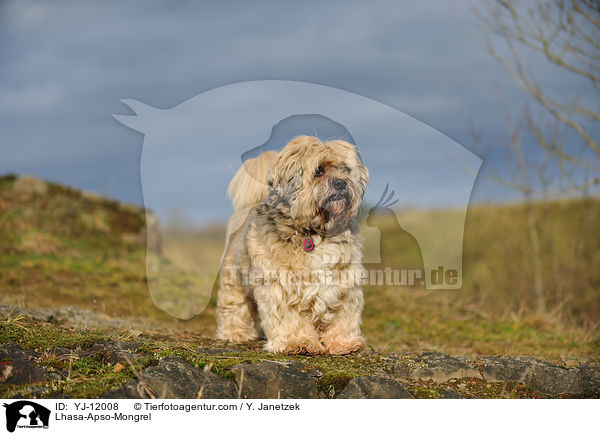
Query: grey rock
(131, 390)
(435, 366)
(17, 366)
(447, 393)
(374, 387)
(272, 380)
(75, 316)
(84, 318)
(175, 378)
(215, 387)
(589, 379)
(537, 374)
(41, 314)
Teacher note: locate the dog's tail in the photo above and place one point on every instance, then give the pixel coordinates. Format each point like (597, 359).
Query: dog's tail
(249, 185)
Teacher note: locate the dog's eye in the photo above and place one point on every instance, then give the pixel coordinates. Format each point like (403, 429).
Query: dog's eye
(320, 171)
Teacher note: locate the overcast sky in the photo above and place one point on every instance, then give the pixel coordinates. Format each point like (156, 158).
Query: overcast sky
(66, 65)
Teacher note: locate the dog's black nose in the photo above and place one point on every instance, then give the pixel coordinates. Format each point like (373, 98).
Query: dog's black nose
(339, 184)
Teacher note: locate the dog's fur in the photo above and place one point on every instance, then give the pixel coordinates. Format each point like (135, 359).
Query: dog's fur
(279, 200)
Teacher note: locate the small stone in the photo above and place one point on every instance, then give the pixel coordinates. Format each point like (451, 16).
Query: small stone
(315, 373)
(62, 353)
(374, 387)
(272, 380)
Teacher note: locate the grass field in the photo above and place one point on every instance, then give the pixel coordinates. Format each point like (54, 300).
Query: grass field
(61, 247)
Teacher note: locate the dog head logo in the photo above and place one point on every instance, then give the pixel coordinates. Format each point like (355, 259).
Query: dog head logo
(191, 151)
(26, 414)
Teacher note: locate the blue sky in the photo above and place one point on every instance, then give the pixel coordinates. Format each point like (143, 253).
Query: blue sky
(66, 66)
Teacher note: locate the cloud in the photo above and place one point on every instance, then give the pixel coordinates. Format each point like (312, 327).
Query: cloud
(66, 67)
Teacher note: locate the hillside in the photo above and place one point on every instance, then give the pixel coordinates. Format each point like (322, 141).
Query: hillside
(63, 248)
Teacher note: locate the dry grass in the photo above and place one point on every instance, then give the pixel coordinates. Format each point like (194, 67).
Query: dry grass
(55, 249)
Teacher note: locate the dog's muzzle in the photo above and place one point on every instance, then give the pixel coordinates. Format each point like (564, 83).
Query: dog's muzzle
(338, 184)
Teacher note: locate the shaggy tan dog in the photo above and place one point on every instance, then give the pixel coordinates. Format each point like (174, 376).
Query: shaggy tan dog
(291, 240)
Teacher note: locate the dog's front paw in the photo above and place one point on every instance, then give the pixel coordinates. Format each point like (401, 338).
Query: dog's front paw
(343, 345)
(296, 346)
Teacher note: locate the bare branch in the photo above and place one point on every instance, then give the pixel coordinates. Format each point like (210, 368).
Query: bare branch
(566, 32)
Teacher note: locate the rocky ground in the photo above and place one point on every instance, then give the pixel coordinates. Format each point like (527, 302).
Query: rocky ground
(74, 352)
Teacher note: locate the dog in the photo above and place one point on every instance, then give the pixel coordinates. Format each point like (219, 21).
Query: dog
(292, 229)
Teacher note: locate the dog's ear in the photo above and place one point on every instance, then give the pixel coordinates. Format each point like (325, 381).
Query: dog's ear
(285, 170)
(296, 178)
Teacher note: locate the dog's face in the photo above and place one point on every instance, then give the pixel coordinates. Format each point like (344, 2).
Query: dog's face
(318, 185)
